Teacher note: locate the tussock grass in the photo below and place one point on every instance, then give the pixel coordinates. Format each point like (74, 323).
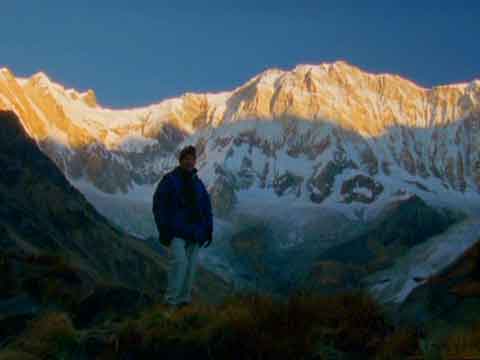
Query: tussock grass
(244, 326)
(259, 327)
(462, 344)
(16, 355)
(47, 336)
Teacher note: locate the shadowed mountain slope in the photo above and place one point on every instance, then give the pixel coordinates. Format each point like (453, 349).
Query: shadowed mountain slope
(41, 213)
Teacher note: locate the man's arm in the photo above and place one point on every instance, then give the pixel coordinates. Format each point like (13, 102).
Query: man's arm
(209, 217)
(160, 208)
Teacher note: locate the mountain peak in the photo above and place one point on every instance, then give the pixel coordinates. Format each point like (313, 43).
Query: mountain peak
(40, 76)
(89, 97)
(340, 64)
(41, 79)
(268, 76)
(6, 73)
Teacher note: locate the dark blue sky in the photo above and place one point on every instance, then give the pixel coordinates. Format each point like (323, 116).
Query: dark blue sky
(139, 52)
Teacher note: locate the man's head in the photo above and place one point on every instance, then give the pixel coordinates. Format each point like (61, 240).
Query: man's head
(188, 157)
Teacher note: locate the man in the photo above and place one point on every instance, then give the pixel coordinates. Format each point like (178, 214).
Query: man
(183, 214)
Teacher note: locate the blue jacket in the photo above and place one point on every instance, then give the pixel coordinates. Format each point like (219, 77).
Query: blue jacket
(171, 212)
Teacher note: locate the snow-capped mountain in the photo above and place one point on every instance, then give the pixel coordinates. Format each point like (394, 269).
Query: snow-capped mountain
(290, 146)
(316, 118)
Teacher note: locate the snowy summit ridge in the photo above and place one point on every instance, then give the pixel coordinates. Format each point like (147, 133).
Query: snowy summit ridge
(303, 129)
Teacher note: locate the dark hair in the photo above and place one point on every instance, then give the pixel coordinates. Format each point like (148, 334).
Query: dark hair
(187, 150)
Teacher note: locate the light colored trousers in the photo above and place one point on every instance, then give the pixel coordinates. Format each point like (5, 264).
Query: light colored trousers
(182, 261)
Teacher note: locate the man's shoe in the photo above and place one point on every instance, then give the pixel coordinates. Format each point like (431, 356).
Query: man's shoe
(183, 304)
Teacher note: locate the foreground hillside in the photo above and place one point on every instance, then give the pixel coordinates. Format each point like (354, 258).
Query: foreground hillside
(305, 326)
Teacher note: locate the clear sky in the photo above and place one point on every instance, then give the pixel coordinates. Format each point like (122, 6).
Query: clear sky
(140, 52)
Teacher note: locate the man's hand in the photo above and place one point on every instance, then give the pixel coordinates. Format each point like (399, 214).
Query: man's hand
(165, 237)
(208, 241)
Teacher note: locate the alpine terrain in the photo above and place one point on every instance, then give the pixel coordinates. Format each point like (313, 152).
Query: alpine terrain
(323, 176)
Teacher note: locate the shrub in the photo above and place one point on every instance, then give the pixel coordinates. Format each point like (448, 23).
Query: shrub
(402, 343)
(48, 336)
(463, 344)
(16, 355)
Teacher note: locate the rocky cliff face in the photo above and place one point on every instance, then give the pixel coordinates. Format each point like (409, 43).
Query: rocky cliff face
(333, 117)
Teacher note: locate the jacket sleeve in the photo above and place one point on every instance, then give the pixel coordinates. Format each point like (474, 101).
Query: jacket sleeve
(160, 208)
(209, 216)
